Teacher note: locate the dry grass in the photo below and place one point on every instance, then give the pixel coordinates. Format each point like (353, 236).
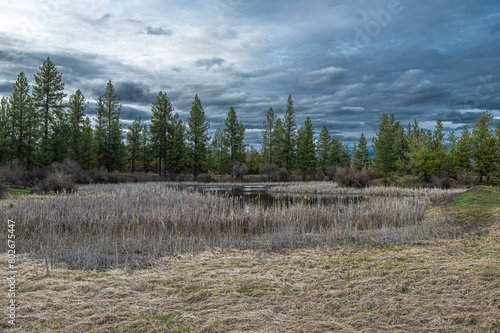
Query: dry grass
(437, 286)
(131, 225)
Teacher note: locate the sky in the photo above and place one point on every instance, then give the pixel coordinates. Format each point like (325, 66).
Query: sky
(345, 62)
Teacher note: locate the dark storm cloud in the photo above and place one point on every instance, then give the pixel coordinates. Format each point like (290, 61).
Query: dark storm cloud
(131, 113)
(134, 92)
(427, 60)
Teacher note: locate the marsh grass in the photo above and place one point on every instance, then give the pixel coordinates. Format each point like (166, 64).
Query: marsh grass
(132, 225)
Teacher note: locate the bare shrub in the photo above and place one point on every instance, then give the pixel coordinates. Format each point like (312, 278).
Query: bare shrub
(72, 169)
(331, 171)
(14, 173)
(272, 171)
(103, 177)
(239, 170)
(57, 182)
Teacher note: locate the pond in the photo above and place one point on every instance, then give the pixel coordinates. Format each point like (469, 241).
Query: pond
(258, 195)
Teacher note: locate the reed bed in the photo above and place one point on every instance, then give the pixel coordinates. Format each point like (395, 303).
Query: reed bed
(131, 225)
(333, 189)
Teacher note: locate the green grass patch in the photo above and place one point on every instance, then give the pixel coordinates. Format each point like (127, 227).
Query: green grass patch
(480, 204)
(16, 190)
(478, 198)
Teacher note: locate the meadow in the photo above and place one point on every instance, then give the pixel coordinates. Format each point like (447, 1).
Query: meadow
(161, 258)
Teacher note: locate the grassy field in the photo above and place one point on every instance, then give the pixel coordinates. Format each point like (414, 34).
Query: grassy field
(444, 280)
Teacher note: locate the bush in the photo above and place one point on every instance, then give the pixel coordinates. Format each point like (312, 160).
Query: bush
(72, 169)
(272, 171)
(57, 182)
(4, 192)
(319, 175)
(331, 171)
(14, 173)
(103, 177)
(352, 178)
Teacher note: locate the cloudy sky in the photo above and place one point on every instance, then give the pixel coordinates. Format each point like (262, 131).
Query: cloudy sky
(345, 62)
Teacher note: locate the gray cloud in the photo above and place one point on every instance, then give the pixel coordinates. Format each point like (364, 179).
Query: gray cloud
(426, 62)
(159, 31)
(208, 63)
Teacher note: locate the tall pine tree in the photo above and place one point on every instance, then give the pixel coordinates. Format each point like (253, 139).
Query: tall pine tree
(197, 134)
(109, 130)
(77, 105)
(48, 95)
(306, 150)
(269, 137)
(234, 134)
(160, 128)
(289, 135)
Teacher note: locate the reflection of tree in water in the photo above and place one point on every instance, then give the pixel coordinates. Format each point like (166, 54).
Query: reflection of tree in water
(259, 196)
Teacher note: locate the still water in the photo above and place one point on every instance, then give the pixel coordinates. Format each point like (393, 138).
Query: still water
(258, 195)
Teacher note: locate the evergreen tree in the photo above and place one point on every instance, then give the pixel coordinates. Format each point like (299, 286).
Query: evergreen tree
(48, 94)
(176, 146)
(109, 130)
(160, 128)
(361, 155)
(255, 161)
(147, 149)
(484, 146)
(77, 105)
(279, 158)
(134, 142)
(234, 133)
(5, 131)
(306, 151)
(87, 156)
(197, 134)
(400, 148)
(269, 137)
(24, 122)
(218, 152)
(336, 153)
(324, 146)
(385, 155)
(290, 135)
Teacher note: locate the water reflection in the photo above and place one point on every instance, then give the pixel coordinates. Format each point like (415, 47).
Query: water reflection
(258, 195)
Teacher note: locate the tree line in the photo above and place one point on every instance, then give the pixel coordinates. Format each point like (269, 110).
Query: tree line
(37, 128)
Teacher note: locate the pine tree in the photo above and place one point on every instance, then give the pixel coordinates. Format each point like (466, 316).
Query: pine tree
(5, 131)
(24, 122)
(197, 134)
(176, 146)
(385, 155)
(255, 161)
(218, 152)
(306, 151)
(160, 128)
(77, 105)
(48, 94)
(290, 135)
(336, 153)
(361, 155)
(87, 158)
(484, 146)
(279, 158)
(324, 145)
(147, 149)
(234, 134)
(134, 142)
(109, 130)
(269, 137)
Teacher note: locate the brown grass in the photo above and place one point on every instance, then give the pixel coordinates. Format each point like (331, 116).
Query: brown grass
(437, 286)
(131, 225)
